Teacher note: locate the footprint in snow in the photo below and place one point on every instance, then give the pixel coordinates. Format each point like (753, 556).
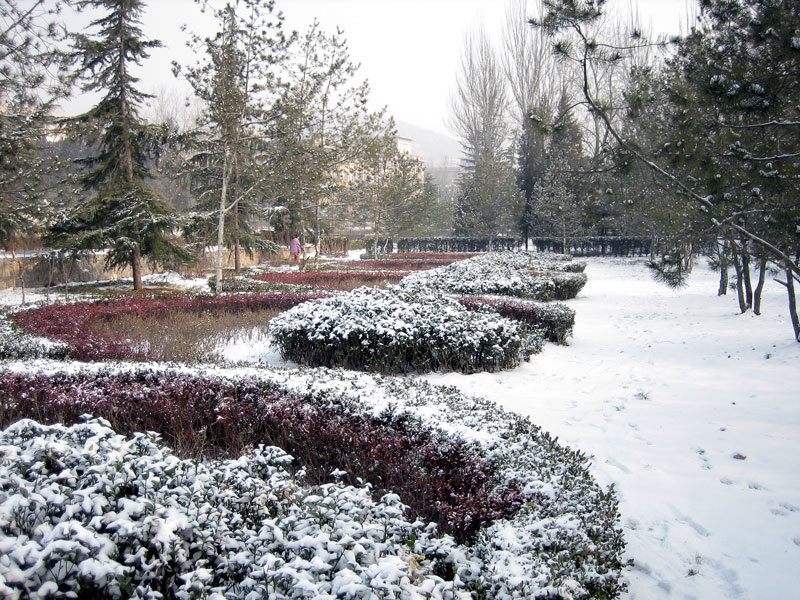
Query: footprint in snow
(706, 464)
(687, 520)
(615, 463)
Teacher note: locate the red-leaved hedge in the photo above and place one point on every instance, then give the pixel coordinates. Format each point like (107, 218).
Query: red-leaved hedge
(451, 256)
(333, 279)
(73, 323)
(406, 264)
(437, 477)
(556, 320)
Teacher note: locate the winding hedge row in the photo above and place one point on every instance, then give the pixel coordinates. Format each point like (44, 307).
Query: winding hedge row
(392, 331)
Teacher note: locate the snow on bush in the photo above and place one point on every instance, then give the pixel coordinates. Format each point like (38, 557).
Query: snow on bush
(426, 257)
(395, 332)
(16, 343)
(332, 279)
(213, 417)
(556, 320)
(406, 264)
(85, 512)
(520, 274)
(563, 542)
(568, 285)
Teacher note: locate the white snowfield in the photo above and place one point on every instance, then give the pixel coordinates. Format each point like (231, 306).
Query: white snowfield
(692, 411)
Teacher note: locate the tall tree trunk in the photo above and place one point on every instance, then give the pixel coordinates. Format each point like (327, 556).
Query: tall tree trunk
(20, 272)
(50, 267)
(136, 267)
(318, 237)
(237, 258)
(722, 252)
(792, 304)
(762, 275)
(737, 264)
(67, 275)
(136, 255)
(221, 224)
(748, 285)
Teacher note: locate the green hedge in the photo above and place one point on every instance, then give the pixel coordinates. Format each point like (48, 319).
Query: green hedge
(392, 331)
(595, 245)
(456, 244)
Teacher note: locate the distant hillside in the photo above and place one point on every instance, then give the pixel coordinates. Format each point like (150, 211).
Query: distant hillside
(436, 149)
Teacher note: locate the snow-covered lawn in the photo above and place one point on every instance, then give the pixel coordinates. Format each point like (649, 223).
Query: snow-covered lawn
(693, 412)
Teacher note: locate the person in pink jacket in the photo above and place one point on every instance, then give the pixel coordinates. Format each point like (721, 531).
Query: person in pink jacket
(295, 250)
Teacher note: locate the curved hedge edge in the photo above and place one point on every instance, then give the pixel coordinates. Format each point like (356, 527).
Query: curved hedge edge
(589, 554)
(95, 514)
(525, 275)
(17, 344)
(568, 544)
(211, 418)
(556, 320)
(71, 323)
(394, 331)
(568, 285)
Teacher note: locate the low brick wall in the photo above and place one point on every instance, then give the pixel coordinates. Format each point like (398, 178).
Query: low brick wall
(35, 270)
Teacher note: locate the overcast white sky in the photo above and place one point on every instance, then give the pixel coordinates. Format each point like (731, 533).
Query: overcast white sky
(407, 49)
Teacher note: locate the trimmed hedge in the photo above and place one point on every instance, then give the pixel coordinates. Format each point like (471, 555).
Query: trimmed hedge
(16, 343)
(263, 532)
(456, 244)
(396, 332)
(568, 285)
(206, 417)
(521, 274)
(596, 245)
(406, 264)
(331, 279)
(87, 513)
(554, 319)
(424, 256)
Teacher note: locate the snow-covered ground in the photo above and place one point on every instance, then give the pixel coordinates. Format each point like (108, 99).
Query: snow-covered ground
(13, 296)
(692, 411)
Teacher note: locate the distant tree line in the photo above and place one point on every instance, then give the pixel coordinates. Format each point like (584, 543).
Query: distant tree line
(581, 126)
(279, 132)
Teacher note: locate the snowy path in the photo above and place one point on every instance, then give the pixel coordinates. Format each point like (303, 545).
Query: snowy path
(693, 412)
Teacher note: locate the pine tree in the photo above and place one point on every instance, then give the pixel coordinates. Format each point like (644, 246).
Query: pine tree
(326, 130)
(29, 56)
(232, 163)
(733, 115)
(390, 195)
(487, 203)
(531, 165)
(124, 216)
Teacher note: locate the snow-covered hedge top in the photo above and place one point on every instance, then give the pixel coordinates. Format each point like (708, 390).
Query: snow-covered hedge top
(506, 273)
(15, 343)
(393, 330)
(86, 512)
(563, 544)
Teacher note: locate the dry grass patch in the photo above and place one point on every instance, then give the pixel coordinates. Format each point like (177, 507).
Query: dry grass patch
(187, 337)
